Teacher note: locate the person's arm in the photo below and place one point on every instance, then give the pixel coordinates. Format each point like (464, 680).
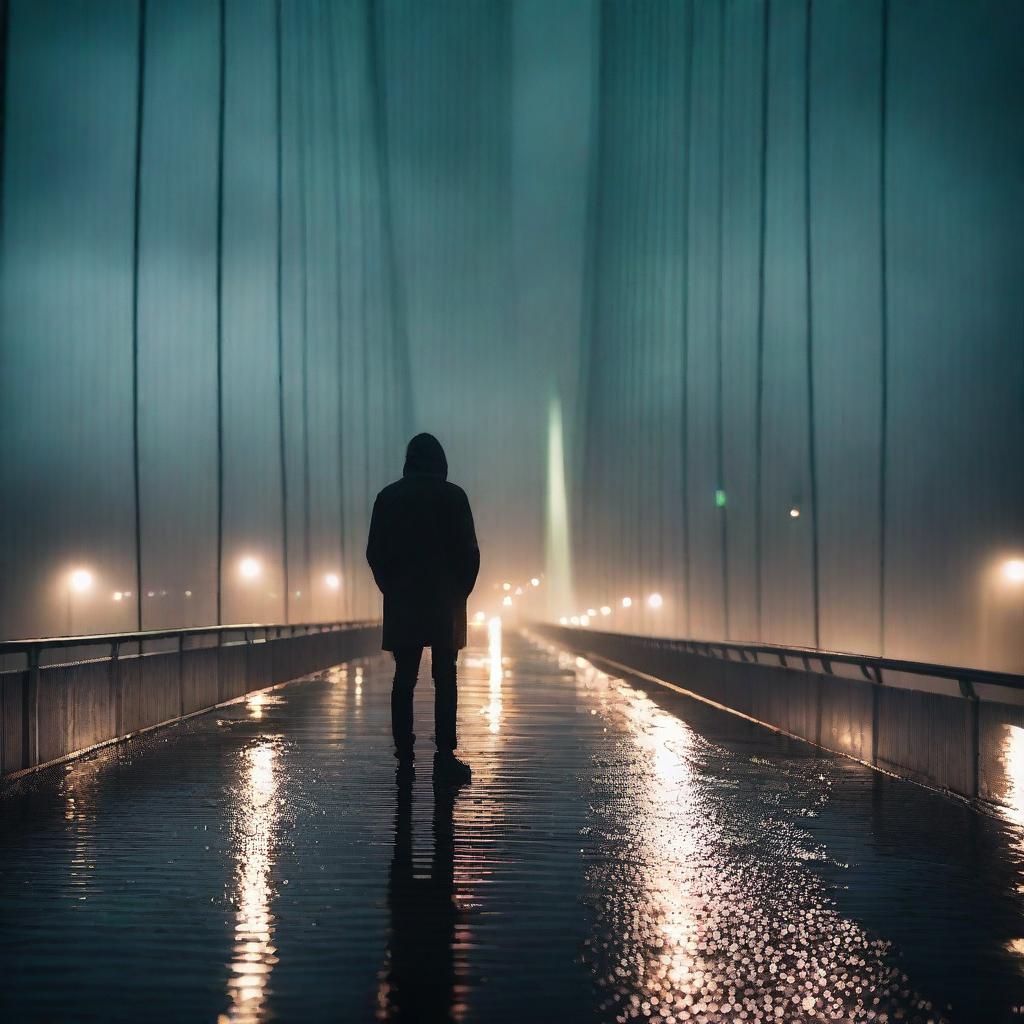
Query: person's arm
(467, 551)
(376, 549)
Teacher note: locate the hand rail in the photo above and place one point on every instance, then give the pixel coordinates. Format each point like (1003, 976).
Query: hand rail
(38, 644)
(871, 665)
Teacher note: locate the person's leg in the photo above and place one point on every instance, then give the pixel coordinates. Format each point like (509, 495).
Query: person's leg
(407, 665)
(443, 668)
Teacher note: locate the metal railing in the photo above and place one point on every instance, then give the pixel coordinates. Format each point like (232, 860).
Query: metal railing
(812, 659)
(248, 630)
(246, 656)
(926, 721)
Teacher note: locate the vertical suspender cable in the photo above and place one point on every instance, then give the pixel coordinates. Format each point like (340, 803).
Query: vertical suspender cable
(333, 113)
(582, 446)
(809, 297)
(140, 89)
(301, 141)
(381, 153)
(5, 20)
(222, 86)
(723, 519)
(280, 312)
(883, 441)
(761, 263)
(685, 440)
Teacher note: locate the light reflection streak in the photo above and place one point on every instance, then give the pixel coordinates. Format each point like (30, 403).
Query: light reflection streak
(78, 788)
(704, 910)
(493, 709)
(671, 837)
(257, 815)
(1012, 759)
(257, 704)
(668, 744)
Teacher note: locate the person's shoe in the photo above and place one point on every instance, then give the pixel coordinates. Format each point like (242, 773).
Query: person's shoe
(448, 768)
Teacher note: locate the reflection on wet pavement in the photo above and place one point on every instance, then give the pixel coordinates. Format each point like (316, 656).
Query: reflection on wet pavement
(707, 907)
(418, 982)
(624, 853)
(255, 807)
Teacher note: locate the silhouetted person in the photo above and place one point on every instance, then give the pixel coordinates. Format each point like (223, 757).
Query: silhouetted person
(424, 556)
(423, 912)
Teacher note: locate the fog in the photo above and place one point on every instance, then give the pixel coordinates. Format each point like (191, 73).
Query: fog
(714, 301)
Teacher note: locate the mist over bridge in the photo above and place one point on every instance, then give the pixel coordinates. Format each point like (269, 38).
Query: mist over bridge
(716, 308)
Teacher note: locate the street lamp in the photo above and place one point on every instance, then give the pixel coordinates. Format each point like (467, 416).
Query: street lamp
(249, 568)
(1013, 570)
(80, 581)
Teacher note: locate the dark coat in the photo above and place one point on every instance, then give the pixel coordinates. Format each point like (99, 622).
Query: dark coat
(423, 553)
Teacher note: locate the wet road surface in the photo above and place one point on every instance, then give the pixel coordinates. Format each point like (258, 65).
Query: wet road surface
(623, 853)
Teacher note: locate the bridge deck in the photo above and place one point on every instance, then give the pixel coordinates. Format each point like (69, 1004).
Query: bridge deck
(624, 852)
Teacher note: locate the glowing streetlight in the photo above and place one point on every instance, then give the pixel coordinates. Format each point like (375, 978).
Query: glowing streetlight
(627, 602)
(1013, 570)
(333, 580)
(80, 580)
(519, 591)
(605, 610)
(506, 586)
(535, 582)
(794, 513)
(575, 620)
(655, 601)
(564, 621)
(249, 568)
(118, 595)
(480, 616)
(507, 601)
(584, 620)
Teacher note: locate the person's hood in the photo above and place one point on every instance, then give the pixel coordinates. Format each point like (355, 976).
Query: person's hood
(425, 457)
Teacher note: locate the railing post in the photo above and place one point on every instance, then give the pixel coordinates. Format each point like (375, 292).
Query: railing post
(818, 699)
(117, 684)
(974, 726)
(247, 683)
(876, 686)
(220, 659)
(30, 712)
(181, 675)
